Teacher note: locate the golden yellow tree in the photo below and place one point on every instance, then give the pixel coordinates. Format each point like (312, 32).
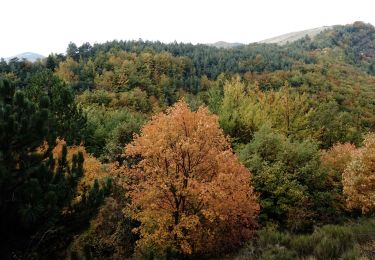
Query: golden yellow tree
(191, 193)
(66, 69)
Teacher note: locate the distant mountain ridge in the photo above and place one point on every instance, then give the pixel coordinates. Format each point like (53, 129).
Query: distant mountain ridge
(280, 39)
(30, 56)
(225, 45)
(294, 36)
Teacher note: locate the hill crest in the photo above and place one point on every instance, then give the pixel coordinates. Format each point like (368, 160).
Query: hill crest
(30, 56)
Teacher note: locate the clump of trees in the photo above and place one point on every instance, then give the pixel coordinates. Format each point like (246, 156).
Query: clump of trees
(359, 177)
(39, 178)
(294, 189)
(355, 167)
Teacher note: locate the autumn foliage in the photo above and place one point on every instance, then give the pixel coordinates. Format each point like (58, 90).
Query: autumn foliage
(359, 177)
(191, 194)
(338, 156)
(334, 161)
(354, 169)
(93, 170)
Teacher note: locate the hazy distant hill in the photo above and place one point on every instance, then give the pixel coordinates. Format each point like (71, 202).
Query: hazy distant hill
(30, 56)
(294, 36)
(281, 39)
(222, 44)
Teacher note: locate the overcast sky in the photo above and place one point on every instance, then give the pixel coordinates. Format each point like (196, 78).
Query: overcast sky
(46, 26)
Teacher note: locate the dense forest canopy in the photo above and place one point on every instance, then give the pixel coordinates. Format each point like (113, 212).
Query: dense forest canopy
(151, 150)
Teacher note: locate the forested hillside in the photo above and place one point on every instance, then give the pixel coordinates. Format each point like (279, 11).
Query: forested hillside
(147, 150)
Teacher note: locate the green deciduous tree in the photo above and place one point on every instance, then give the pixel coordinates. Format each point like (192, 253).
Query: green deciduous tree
(289, 178)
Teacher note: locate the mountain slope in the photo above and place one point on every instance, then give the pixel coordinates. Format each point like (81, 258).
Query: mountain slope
(294, 36)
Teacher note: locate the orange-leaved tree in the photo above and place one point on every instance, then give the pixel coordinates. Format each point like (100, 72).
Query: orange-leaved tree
(335, 160)
(191, 195)
(359, 177)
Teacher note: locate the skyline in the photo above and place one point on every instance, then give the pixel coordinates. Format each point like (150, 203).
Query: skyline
(47, 27)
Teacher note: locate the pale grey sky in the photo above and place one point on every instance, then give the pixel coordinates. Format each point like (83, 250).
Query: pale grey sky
(46, 26)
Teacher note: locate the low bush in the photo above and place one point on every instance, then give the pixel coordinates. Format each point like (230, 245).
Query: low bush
(350, 241)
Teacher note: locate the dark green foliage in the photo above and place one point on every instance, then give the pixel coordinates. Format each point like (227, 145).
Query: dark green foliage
(22, 129)
(72, 51)
(34, 187)
(112, 129)
(338, 125)
(358, 42)
(20, 71)
(211, 61)
(53, 60)
(120, 137)
(109, 235)
(66, 119)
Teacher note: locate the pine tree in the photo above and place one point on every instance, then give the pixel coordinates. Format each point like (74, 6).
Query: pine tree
(36, 188)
